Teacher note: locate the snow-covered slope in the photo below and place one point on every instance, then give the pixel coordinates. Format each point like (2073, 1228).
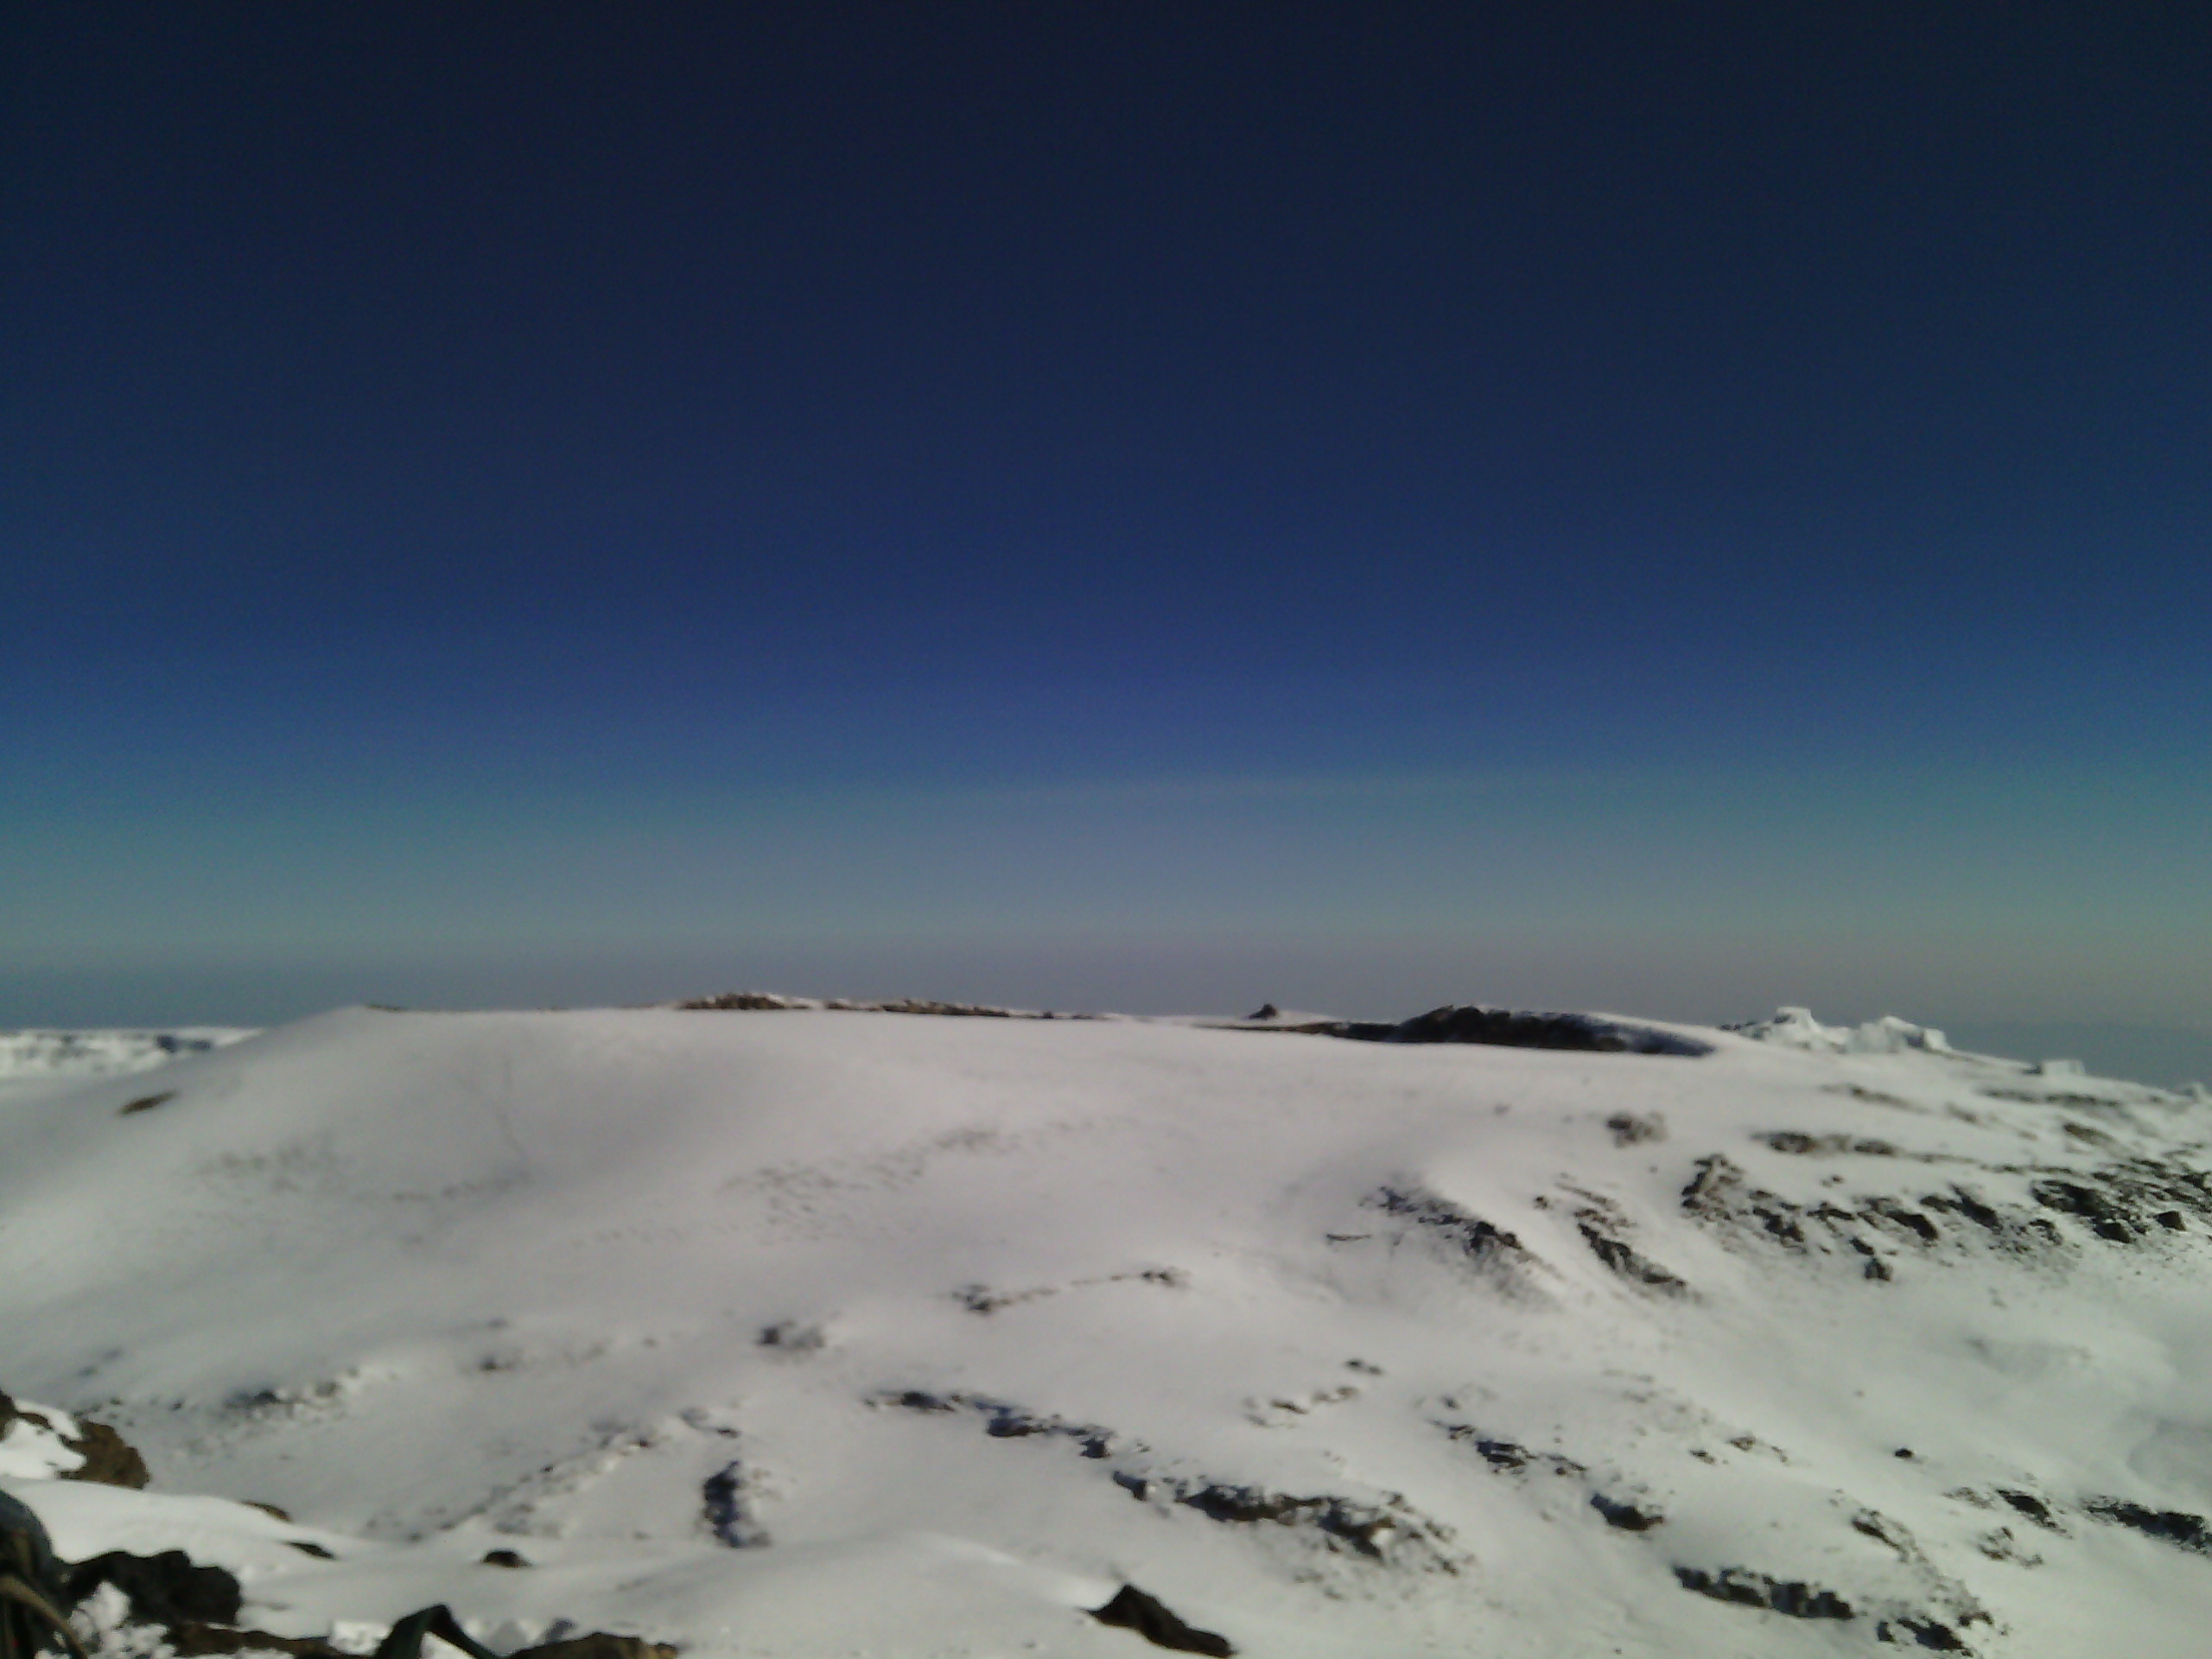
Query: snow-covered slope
(813, 1331)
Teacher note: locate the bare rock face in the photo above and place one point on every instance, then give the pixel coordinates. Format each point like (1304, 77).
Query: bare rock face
(109, 1459)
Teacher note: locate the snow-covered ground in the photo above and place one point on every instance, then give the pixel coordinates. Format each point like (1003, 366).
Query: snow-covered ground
(816, 1331)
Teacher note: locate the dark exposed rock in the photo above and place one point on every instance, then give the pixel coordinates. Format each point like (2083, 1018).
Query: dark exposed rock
(1624, 1514)
(1872, 1523)
(1963, 1202)
(1800, 1144)
(1713, 1189)
(109, 1459)
(506, 1558)
(404, 1640)
(1921, 1633)
(727, 1494)
(2032, 1507)
(165, 1589)
(1507, 1028)
(1629, 1129)
(1507, 1454)
(2175, 1526)
(981, 1298)
(2057, 1097)
(1719, 1192)
(1721, 1195)
(2105, 1220)
(739, 1002)
(911, 1005)
(1132, 1610)
(1361, 1527)
(1489, 1246)
(1911, 1221)
(1364, 1527)
(145, 1102)
(1509, 1457)
(1512, 1028)
(1003, 1422)
(2122, 1201)
(1624, 1260)
(1746, 1588)
(1602, 1223)
(793, 1337)
(920, 1399)
(1266, 1011)
(767, 1001)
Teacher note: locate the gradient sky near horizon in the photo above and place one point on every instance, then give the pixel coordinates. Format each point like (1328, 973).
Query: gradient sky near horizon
(1677, 509)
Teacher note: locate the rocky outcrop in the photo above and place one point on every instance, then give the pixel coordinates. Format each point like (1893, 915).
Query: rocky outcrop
(104, 1456)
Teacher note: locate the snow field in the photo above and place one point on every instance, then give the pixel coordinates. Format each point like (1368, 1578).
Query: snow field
(815, 1331)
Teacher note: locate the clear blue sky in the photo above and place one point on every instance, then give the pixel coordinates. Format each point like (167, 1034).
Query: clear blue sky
(1678, 508)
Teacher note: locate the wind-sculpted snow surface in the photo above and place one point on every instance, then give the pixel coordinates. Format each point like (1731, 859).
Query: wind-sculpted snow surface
(768, 1328)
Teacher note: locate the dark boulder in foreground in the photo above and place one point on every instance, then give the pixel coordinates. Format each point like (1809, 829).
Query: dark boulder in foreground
(1131, 1609)
(170, 1588)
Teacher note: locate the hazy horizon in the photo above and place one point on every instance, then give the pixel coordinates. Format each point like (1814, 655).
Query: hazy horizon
(1140, 507)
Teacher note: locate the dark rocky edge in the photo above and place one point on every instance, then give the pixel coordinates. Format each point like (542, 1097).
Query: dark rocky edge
(1605, 1226)
(1791, 1597)
(1796, 1599)
(1507, 1456)
(2190, 1532)
(2129, 1201)
(770, 1002)
(1581, 1033)
(1496, 1253)
(1377, 1530)
(1585, 1034)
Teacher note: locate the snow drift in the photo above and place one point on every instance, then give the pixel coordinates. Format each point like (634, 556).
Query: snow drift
(792, 1330)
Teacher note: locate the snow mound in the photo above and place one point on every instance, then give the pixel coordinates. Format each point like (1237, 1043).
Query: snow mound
(37, 1442)
(104, 1053)
(845, 1331)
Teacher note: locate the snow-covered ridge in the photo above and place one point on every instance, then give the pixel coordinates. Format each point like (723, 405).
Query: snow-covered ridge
(850, 1332)
(1796, 1028)
(105, 1053)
